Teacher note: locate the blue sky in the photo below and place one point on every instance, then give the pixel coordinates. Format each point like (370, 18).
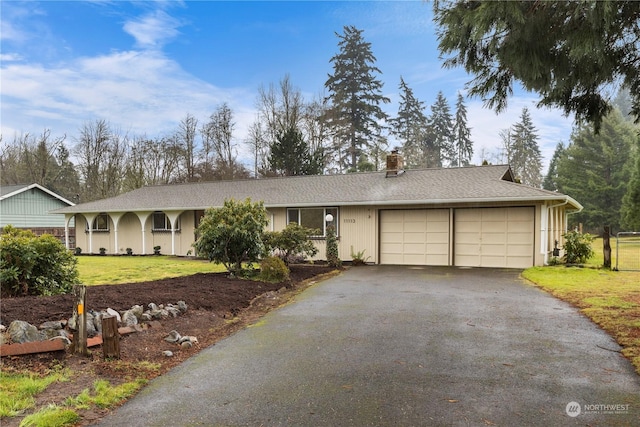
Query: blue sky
(142, 66)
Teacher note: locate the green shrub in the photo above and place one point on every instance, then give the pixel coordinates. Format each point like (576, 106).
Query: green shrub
(32, 265)
(358, 258)
(292, 242)
(333, 256)
(273, 269)
(577, 247)
(554, 261)
(232, 234)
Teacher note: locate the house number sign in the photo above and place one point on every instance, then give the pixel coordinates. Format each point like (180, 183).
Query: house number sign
(349, 220)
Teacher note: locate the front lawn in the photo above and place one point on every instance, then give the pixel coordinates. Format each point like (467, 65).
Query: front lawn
(609, 298)
(115, 270)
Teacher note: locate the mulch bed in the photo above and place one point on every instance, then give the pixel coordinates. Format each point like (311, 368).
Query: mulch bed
(218, 306)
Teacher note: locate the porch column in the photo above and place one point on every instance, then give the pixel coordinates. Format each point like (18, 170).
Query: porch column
(89, 217)
(544, 232)
(143, 216)
(115, 217)
(173, 218)
(67, 220)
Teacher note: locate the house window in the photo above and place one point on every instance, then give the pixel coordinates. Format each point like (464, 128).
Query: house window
(100, 223)
(314, 218)
(161, 222)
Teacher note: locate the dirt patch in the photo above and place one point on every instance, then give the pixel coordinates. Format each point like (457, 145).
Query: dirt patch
(218, 306)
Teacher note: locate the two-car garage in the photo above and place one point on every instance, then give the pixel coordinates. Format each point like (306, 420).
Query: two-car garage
(470, 237)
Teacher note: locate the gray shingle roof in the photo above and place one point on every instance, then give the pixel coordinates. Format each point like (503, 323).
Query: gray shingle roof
(7, 191)
(425, 186)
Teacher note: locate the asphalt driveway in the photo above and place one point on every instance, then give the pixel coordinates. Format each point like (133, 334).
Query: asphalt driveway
(402, 346)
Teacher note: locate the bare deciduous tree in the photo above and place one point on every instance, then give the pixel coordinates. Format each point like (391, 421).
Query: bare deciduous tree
(186, 135)
(101, 155)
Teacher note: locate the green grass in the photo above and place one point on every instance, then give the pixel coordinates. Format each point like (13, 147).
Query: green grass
(629, 254)
(17, 390)
(104, 394)
(609, 298)
(51, 416)
(113, 270)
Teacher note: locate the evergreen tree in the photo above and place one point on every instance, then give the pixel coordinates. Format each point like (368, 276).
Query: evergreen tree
(630, 209)
(569, 52)
(438, 144)
(624, 103)
(462, 135)
(355, 95)
(290, 155)
(39, 160)
(551, 179)
(595, 170)
(410, 125)
(525, 158)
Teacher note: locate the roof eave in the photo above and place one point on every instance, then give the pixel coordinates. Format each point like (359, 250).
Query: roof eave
(38, 186)
(459, 201)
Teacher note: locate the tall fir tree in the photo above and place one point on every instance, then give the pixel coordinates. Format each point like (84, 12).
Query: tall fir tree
(355, 94)
(551, 179)
(630, 209)
(462, 135)
(438, 144)
(409, 126)
(569, 52)
(595, 170)
(525, 157)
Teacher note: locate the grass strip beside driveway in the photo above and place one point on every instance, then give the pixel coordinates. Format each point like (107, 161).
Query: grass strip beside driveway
(610, 298)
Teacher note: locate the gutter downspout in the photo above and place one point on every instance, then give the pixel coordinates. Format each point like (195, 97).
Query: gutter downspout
(566, 215)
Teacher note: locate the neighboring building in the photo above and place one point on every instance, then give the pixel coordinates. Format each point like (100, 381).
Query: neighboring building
(472, 216)
(27, 207)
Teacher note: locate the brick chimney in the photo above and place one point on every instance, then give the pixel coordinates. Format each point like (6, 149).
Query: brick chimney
(395, 164)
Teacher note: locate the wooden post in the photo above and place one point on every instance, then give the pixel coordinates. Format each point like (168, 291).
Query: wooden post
(110, 337)
(79, 313)
(607, 246)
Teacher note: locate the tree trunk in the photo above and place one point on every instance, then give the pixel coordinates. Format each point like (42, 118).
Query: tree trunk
(607, 246)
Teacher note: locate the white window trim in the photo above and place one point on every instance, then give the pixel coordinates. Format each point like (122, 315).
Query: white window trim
(167, 223)
(107, 229)
(335, 211)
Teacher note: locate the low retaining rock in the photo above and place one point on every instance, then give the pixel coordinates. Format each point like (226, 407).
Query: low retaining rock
(53, 336)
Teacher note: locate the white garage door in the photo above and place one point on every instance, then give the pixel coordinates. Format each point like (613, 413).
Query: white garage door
(414, 237)
(494, 237)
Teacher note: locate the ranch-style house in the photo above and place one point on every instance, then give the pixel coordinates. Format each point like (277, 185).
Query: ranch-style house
(476, 216)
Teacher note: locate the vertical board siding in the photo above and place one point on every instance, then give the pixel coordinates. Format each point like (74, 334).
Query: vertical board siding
(31, 209)
(357, 230)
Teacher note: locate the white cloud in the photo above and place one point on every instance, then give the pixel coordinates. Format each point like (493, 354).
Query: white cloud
(153, 30)
(16, 19)
(10, 57)
(136, 91)
(552, 127)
